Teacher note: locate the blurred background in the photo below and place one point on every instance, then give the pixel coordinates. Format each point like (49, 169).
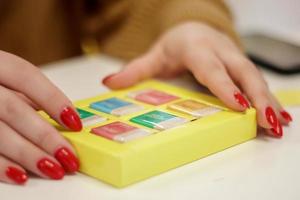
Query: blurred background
(278, 18)
(270, 30)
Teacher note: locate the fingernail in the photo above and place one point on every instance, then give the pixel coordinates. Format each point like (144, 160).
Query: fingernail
(107, 78)
(71, 119)
(18, 176)
(50, 169)
(276, 127)
(241, 100)
(271, 117)
(286, 115)
(278, 130)
(67, 159)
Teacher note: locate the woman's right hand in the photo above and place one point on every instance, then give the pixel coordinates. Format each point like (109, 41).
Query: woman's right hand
(27, 141)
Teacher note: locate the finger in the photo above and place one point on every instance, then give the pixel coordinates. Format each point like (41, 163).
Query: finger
(209, 71)
(27, 100)
(144, 67)
(11, 172)
(22, 118)
(255, 87)
(17, 74)
(284, 117)
(18, 149)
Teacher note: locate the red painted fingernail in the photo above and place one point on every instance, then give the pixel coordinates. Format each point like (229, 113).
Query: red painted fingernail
(271, 117)
(278, 130)
(67, 159)
(241, 100)
(71, 119)
(17, 175)
(273, 121)
(286, 115)
(107, 78)
(50, 169)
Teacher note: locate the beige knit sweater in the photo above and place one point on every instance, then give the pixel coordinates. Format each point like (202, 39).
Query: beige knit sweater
(49, 30)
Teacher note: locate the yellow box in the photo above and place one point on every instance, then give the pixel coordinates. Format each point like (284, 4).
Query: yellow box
(121, 164)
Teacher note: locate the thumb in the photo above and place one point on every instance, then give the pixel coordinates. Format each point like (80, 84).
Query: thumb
(144, 67)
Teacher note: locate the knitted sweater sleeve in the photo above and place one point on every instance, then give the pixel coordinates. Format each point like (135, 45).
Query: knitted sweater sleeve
(148, 19)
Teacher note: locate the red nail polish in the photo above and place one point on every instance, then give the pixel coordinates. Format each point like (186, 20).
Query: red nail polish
(67, 159)
(271, 117)
(286, 115)
(241, 100)
(71, 119)
(17, 175)
(50, 169)
(107, 78)
(278, 131)
(273, 121)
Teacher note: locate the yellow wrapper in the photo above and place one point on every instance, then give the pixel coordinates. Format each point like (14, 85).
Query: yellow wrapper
(193, 108)
(288, 97)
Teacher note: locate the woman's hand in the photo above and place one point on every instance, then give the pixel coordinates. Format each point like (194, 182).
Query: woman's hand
(215, 62)
(27, 142)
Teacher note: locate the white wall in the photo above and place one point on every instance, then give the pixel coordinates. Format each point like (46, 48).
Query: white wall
(279, 18)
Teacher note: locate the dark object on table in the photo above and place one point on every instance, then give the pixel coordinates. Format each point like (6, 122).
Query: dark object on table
(274, 54)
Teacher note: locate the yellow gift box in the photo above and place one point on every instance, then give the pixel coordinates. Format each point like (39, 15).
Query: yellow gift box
(121, 164)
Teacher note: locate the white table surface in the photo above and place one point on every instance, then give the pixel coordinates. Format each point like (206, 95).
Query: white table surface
(264, 168)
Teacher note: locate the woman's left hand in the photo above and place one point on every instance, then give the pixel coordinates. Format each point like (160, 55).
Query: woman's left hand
(216, 62)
